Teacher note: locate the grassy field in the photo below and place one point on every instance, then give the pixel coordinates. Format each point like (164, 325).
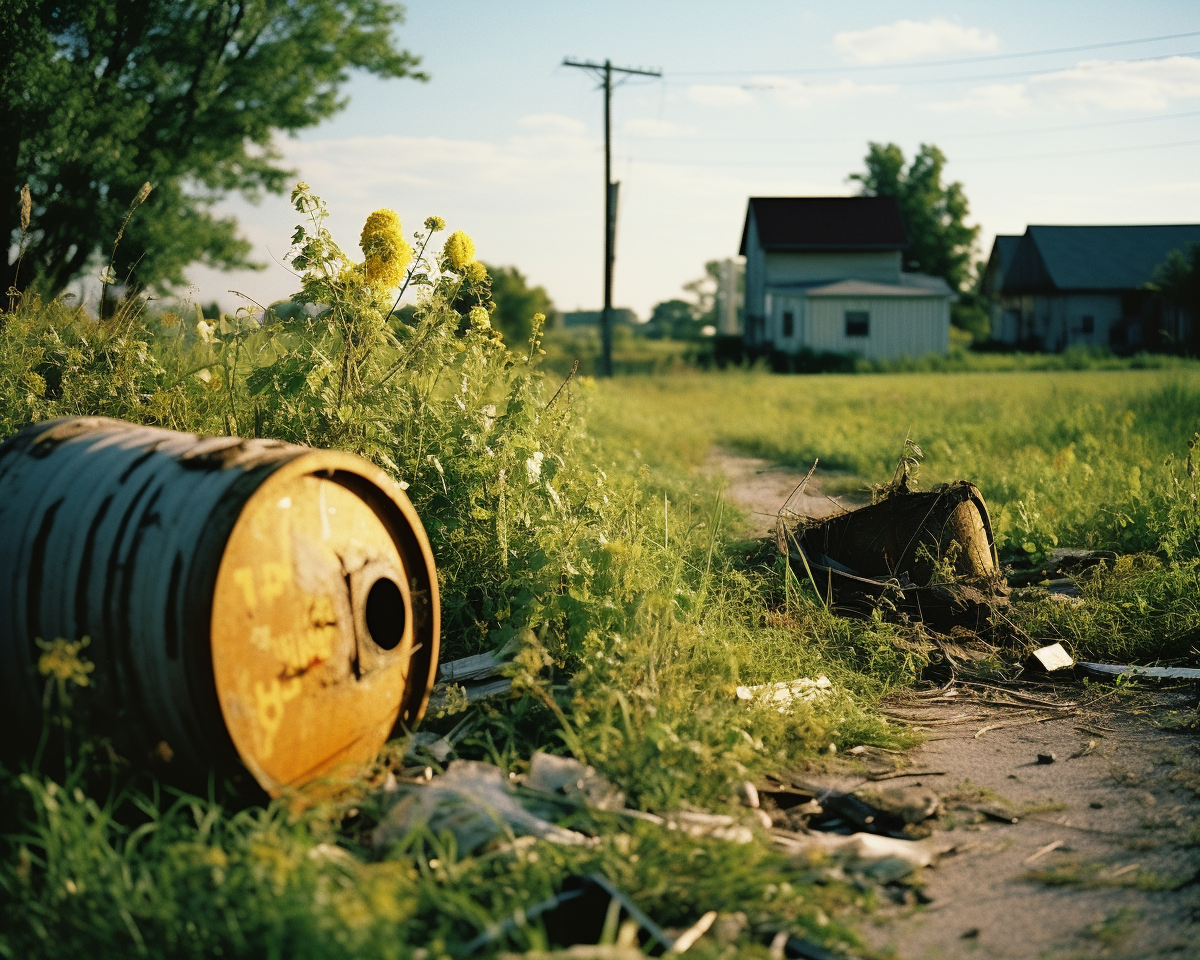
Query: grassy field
(1064, 458)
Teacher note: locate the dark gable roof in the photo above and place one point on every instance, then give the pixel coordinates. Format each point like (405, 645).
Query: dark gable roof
(999, 260)
(1093, 258)
(825, 223)
(1003, 249)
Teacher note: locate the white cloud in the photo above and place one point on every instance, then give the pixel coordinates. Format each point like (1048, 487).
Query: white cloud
(910, 40)
(1004, 99)
(646, 127)
(1117, 85)
(552, 123)
(1121, 84)
(719, 95)
(799, 93)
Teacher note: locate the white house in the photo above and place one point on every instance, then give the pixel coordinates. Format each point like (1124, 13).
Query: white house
(825, 274)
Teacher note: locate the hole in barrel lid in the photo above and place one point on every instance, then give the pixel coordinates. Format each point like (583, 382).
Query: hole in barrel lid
(385, 613)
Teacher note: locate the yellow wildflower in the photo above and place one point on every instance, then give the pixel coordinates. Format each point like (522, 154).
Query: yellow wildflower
(459, 250)
(433, 224)
(479, 317)
(387, 252)
(476, 272)
(60, 659)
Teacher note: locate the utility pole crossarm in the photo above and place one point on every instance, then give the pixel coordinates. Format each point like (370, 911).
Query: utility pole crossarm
(590, 65)
(605, 70)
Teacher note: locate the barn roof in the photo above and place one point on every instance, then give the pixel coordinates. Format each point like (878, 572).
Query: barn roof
(1093, 258)
(825, 223)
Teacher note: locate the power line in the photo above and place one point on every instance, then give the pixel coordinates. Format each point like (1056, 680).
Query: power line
(930, 81)
(969, 136)
(605, 72)
(988, 159)
(943, 63)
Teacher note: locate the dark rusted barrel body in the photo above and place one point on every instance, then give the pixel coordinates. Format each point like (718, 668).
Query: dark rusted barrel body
(250, 604)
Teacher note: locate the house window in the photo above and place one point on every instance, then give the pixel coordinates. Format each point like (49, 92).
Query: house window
(789, 323)
(858, 323)
(1088, 325)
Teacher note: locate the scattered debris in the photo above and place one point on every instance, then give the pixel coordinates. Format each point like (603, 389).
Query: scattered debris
(1048, 659)
(891, 811)
(1084, 750)
(577, 915)
(474, 802)
(715, 825)
(693, 933)
(928, 556)
(1042, 851)
(786, 691)
(435, 744)
(475, 678)
(568, 777)
(749, 794)
(1060, 560)
(911, 805)
(882, 858)
(1151, 673)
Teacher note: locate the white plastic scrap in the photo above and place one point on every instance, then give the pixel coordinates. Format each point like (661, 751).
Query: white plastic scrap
(785, 692)
(475, 803)
(885, 858)
(716, 825)
(564, 775)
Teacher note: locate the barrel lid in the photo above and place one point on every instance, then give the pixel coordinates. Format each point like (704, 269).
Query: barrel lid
(324, 620)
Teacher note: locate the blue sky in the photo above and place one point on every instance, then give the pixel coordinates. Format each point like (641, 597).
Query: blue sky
(757, 98)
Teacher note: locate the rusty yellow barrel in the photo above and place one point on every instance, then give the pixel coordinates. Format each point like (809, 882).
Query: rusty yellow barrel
(251, 605)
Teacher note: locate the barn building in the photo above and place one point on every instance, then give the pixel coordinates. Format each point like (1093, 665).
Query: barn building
(824, 274)
(1056, 287)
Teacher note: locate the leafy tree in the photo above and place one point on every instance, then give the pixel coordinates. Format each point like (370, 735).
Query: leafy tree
(516, 303)
(940, 242)
(1177, 281)
(674, 319)
(706, 288)
(970, 313)
(98, 97)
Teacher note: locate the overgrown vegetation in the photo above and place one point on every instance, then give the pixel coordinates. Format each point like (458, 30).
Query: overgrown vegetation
(634, 618)
(618, 573)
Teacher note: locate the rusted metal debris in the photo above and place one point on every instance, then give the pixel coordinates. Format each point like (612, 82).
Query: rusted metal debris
(252, 605)
(930, 557)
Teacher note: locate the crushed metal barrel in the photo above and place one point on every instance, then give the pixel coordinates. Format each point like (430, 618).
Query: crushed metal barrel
(929, 556)
(251, 605)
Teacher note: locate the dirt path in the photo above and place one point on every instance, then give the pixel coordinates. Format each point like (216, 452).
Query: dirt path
(1104, 858)
(1119, 801)
(760, 489)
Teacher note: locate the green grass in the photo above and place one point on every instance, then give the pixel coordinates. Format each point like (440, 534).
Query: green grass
(1092, 459)
(1064, 458)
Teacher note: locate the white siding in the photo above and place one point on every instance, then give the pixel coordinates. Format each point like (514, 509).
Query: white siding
(899, 326)
(796, 306)
(756, 290)
(881, 266)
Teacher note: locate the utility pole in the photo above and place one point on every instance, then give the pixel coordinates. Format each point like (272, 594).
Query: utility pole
(605, 71)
